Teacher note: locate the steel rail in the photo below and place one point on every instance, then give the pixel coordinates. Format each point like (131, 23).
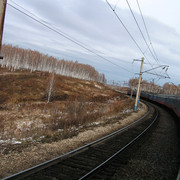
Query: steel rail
(122, 149)
(51, 162)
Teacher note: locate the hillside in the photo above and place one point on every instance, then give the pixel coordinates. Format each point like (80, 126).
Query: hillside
(33, 131)
(74, 105)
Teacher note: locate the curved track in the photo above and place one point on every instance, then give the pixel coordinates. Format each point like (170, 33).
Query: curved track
(158, 157)
(86, 161)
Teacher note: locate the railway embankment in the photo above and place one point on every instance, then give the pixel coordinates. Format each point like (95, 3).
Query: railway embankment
(40, 120)
(34, 154)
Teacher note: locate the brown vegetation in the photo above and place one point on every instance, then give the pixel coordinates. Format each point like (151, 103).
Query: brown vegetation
(18, 158)
(74, 105)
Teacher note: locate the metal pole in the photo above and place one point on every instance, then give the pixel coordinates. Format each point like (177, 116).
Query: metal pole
(2, 16)
(139, 84)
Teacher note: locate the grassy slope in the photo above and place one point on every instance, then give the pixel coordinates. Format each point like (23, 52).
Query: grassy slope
(29, 124)
(24, 111)
(16, 87)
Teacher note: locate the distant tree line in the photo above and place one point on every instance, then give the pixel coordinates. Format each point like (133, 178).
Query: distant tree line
(167, 88)
(19, 58)
(170, 88)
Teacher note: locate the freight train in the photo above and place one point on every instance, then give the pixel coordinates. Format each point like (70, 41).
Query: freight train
(170, 101)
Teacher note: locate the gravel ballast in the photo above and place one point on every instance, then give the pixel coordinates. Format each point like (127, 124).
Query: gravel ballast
(158, 157)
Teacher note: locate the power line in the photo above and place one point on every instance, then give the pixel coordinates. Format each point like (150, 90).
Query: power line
(162, 76)
(49, 24)
(125, 27)
(148, 33)
(146, 30)
(66, 36)
(140, 30)
(128, 31)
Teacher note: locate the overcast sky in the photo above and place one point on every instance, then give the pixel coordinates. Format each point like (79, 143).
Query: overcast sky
(94, 24)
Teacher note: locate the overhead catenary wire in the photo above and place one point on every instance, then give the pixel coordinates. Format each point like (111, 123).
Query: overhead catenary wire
(141, 31)
(127, 31)
(50, 24)
(162, 76)
(125, 27)
(65, 36)
(130, 35)
(146, 29)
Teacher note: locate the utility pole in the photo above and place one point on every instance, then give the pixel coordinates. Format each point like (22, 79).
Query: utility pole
(2, 17)
(139, 84)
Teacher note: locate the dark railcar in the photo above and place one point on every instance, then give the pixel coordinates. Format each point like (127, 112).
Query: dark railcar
(171, 101)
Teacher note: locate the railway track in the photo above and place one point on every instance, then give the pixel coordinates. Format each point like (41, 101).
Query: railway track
(92, 160)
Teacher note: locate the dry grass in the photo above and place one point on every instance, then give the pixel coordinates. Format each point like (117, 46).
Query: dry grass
(19, 160)
(28, 122)
(20, 87)
(26, 115)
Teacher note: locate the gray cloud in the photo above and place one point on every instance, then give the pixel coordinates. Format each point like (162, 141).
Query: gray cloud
(91, 22)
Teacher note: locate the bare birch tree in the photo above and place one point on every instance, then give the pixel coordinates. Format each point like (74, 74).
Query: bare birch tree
(50, 89)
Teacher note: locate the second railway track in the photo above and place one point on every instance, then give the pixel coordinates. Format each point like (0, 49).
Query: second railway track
(90, 160)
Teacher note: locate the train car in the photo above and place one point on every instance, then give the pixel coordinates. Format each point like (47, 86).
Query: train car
(131, 92)
(170, 101)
